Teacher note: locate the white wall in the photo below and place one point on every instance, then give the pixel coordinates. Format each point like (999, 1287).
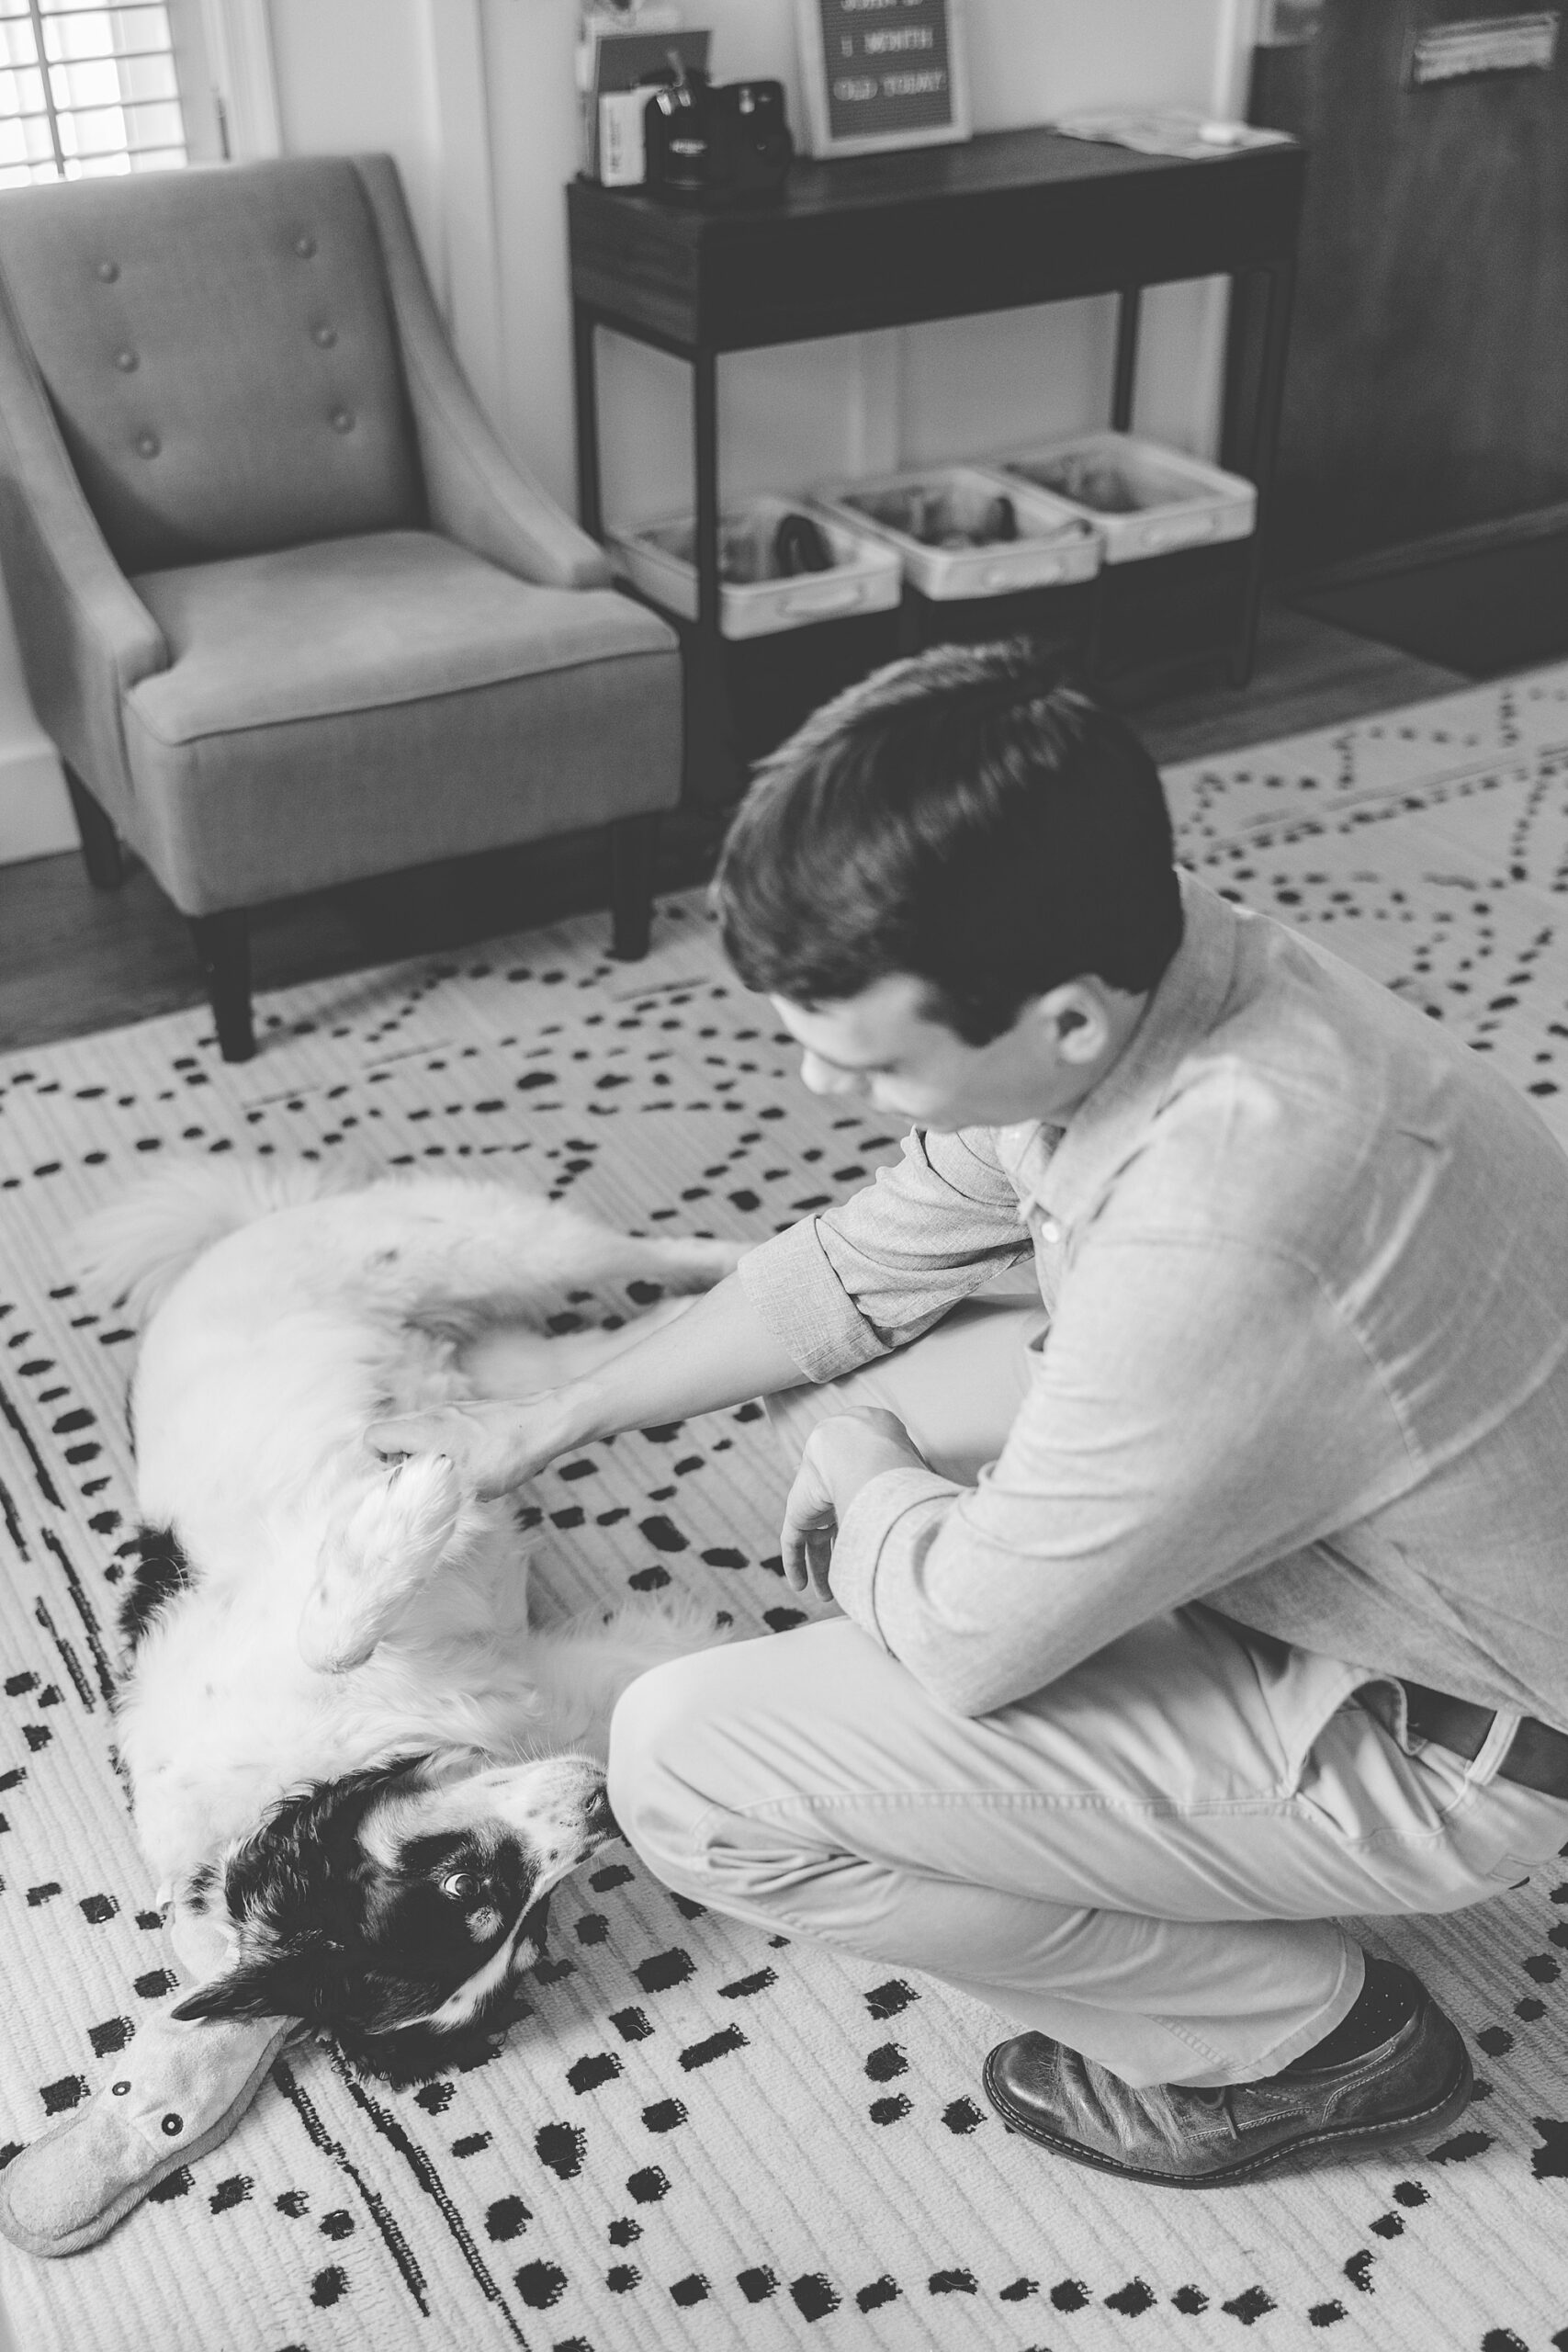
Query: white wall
(35, 815)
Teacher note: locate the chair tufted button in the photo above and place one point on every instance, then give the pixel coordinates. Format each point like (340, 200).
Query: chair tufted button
(305, 245)
(109, 271)
(117, 2091)
(126, 362)
(148, 443)
(342, 420)
(325, 336)
(173, 2125)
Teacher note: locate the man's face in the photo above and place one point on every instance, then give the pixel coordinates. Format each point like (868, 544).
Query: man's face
(881, 1048)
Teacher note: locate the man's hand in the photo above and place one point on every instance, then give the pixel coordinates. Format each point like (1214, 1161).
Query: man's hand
(842, 1455)
(493, 1446)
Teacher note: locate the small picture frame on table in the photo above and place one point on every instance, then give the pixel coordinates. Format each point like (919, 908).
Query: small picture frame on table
(877, 75)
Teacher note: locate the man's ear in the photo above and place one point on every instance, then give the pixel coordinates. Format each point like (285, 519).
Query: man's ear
(1075, 1017)
(266, 1985)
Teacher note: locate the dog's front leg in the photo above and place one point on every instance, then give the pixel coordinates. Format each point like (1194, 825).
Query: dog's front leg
(375, 1558)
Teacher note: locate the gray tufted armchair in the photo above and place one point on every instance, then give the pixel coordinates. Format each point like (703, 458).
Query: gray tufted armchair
(289, 611)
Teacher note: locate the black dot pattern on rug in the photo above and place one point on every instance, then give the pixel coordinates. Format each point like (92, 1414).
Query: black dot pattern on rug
(702, 2132)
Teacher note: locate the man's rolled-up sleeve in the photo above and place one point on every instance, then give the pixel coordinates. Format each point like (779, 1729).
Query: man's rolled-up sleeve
(844, 1287)
(1199, 1408)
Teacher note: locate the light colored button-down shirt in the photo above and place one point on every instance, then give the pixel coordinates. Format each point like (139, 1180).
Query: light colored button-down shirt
(1306, 1261)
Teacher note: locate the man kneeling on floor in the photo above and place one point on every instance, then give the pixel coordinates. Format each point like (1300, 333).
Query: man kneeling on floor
(1209, 1592)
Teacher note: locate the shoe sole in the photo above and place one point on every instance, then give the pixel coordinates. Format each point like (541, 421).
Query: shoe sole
(1316, 2147)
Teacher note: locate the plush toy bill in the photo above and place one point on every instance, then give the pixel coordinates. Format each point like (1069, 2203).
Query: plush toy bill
(178, 2090)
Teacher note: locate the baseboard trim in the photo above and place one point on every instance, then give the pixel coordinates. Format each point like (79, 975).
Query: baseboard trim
(35, 809)
(1420, 555)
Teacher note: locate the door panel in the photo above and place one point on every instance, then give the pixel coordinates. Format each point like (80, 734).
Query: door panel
(1427, 386)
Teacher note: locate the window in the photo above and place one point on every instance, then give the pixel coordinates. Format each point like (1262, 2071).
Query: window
(87, 89)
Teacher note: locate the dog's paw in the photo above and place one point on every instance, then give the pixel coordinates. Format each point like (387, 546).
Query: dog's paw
(375, 1558)
(413, 1514)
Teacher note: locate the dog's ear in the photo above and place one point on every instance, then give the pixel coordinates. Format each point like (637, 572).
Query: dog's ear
(265, 1984)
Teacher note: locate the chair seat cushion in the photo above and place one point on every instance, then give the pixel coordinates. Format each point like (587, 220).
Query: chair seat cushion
(362, 706)
(354, 624)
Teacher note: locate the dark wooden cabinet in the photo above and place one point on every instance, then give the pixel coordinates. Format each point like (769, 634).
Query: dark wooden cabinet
(1426, 394)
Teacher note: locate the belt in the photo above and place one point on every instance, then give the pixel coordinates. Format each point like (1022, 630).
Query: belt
(1537, 1757)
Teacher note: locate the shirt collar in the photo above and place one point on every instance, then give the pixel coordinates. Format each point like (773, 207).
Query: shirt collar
(1067, 1168)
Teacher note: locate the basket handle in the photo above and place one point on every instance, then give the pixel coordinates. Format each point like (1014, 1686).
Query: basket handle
(1005, 575)
(1185, 533)
(839, 598)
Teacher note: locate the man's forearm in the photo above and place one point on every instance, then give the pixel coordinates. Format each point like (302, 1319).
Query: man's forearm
(718, 1352)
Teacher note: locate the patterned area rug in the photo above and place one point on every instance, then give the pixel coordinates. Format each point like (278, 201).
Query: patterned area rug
(700, 2137)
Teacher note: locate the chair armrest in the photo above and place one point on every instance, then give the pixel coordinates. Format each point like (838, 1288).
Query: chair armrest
(84, 634)
(477, 495)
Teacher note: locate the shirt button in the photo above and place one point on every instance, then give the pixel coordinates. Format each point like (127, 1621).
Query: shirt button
(1049, 1230)
(325, 336)
(342, 420)
(148, 443)
(305, 247)
(109, 271)
(126, 362)
(117, 2091)
(173, 2125)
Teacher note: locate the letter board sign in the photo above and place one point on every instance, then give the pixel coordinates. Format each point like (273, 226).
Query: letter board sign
(881, 73)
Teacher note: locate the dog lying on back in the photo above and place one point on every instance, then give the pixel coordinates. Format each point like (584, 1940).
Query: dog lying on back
(350, 1752)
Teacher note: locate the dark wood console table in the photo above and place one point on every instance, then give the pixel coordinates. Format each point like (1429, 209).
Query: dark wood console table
(1011, 218)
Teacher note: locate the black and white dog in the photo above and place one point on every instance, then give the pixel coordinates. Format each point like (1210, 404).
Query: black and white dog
(350, 1752)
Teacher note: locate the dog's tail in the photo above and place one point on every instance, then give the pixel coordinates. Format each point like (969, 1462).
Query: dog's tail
(137, 1247)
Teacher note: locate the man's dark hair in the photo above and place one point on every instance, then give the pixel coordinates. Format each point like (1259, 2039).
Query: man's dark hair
(963, 816)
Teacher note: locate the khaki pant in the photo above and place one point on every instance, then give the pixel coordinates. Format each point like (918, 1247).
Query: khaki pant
(1145, 1859)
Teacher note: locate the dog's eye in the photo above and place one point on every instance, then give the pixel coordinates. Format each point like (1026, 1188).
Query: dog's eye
(461, 1886)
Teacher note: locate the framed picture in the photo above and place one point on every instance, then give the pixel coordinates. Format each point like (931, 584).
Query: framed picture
(879, 73)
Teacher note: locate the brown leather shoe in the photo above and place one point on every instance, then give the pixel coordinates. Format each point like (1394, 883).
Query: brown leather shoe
(1411, 2087)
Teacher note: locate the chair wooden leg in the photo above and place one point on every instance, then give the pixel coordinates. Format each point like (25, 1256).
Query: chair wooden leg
(223, 950)
(633, 841)
(100, 843)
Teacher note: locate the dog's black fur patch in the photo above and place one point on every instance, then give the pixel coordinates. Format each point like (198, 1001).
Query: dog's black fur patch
(199, 1886)
(161, 1570)
(336, 1939)
(414, 2053)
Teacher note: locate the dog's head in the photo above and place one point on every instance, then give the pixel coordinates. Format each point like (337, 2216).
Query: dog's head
(395, 1906)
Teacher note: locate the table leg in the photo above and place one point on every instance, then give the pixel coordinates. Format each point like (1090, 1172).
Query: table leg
(1123, 392)
(1129, 306)
(705, 467)
(585, 385)
(713, 769)
(1251, 437)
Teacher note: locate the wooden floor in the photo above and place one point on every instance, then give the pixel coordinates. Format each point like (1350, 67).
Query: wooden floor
(74, 959)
